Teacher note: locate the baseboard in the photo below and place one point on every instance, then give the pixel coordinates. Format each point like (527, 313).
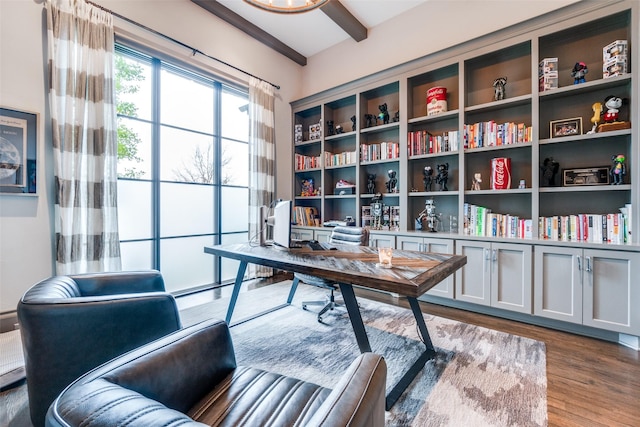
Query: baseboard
(8, 321)
(630, 341)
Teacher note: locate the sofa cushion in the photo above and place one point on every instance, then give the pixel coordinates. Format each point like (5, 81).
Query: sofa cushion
(253, 397)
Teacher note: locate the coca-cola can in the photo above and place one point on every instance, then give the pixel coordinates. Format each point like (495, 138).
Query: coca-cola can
(500, 173)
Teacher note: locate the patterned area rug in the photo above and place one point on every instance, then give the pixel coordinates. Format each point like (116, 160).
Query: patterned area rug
(480, 377)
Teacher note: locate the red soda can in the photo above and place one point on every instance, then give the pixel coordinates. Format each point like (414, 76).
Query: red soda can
(501, 173)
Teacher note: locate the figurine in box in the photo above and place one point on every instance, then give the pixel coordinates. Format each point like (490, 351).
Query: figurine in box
(475, 184)
(549, 169)
(353, 123)
(384, 113)
(618, 170)
(443, 176)
(392, 184)
(578, 73)
(499, 88)
(427, 173)
(307, 188)
(371, 183)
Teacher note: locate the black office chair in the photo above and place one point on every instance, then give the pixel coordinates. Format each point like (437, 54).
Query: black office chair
(355, 236)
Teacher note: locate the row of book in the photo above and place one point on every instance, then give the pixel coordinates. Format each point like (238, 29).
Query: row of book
(422, 142)
(490, 134)
(306, 162)
(595, 228)
(306, 216)
(340, 159)
(381, 151)
(481, 221)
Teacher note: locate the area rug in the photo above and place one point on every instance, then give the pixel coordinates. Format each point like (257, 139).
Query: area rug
(480, 377)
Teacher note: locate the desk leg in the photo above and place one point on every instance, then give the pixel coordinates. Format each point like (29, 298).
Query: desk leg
(356, 319)
(242, 268)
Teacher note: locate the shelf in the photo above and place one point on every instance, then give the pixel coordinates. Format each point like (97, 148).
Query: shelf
(498, 192)
(610, 83)
(433, 193)
(435, 118)
(377, 162)
(307, 143)
(339, 136)
(351, 165)
(589, 188)
(380, 128)
(340, 196)
(499, 105)
(432, 155)
(498, 147)
(585, 137)
(308, 170)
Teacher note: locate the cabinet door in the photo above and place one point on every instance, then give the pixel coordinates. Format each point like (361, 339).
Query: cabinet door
(558, 283)
(473, 281)
(407, 243)
(511, 277)
(321, 235)
(301, 234)
(382, 240)
(611, 292)
(441, 246)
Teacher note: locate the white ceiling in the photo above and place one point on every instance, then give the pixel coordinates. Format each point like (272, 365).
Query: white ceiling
(312, 32)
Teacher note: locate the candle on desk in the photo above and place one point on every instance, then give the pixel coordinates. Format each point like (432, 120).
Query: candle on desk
(385, 255)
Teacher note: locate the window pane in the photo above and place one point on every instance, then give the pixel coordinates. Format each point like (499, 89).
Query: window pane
(235, 163)
(229, 268)
(134, 149)
(235, 115)
(186, 209)
(186, 156)
(133, 87)
(235, 209)
(184, 264)
(135, 210)
(186, 102)
(136, 255)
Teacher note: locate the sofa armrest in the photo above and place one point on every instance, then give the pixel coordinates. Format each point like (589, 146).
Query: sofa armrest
(124, 282)
(358, 400)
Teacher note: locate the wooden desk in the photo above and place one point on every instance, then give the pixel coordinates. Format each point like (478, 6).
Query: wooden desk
(413, 274)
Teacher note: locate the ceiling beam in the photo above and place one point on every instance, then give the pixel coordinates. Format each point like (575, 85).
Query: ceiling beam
(257, 33)
(345, 20)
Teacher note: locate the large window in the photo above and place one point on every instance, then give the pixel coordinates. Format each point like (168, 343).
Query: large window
(182, 170)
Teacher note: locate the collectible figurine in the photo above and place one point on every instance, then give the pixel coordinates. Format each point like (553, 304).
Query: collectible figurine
(549, 170)
(329, 127)
(353, 123)
(618, 170)
(443, 176)
(612, 104)
(427, 172)
(498, 88)
(595, 119)
(396, 117)
(428, 216)
(477, 179)
(578, 73)
(384, 113)
(339, 130)
(307, 188)
(370, 119)
(371, 183)
(392, 184)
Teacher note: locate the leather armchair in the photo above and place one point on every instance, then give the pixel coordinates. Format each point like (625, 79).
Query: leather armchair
(71, 324)
(190, 378)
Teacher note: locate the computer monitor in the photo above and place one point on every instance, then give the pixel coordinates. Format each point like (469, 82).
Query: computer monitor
(282, 224)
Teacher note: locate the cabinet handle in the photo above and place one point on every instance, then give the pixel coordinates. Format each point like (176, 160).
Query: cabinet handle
(588, 259)
(495, 255)
(487, 257)
(579, 262)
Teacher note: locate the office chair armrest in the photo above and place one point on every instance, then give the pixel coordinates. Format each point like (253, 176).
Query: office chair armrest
(358, 400)
(120, 282)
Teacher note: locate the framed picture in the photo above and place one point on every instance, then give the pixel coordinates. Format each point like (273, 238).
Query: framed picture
(18, 151)
(566, 127)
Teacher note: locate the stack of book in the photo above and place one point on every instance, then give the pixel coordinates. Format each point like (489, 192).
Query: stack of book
(306, 162)
(340, 159)
(595, 228)
(382, 151)
(306, 216)
(490, 134)
(421, 142)
(481, 221)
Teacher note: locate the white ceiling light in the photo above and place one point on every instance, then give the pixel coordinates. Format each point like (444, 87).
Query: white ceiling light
(287, 6)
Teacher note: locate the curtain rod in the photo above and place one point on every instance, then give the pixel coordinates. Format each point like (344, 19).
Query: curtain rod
(193, 50)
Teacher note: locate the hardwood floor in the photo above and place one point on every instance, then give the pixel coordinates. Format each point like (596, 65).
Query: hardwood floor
(589, 382)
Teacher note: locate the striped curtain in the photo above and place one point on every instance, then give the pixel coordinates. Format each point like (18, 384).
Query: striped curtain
(261, 158)
(82, 102)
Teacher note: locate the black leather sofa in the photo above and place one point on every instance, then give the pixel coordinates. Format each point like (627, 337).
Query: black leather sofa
(71, 324)
(190, 378)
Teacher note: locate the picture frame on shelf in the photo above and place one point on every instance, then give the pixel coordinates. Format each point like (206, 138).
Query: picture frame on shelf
(565, 127)
(18, 151)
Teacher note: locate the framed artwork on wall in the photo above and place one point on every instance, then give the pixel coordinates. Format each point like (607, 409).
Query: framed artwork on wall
(18, 152)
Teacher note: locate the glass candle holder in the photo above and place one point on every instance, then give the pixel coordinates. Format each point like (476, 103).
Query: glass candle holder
(385, 255)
